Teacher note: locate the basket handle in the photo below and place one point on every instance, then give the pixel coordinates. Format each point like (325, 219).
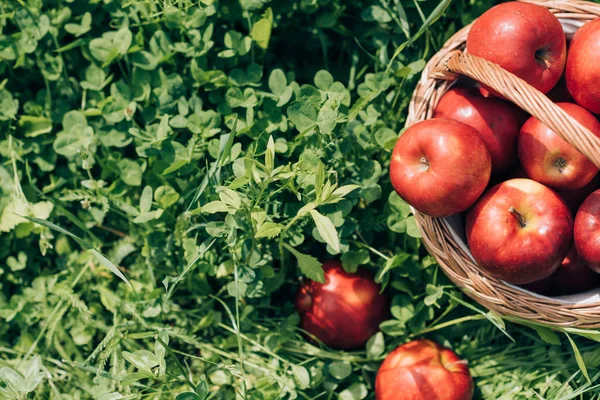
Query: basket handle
(528, 98)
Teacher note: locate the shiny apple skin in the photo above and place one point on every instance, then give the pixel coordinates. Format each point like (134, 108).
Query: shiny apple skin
(497, 121)
(516, 254)
(573, 276)
(551, 160)
(583, 69)
(511, 34)
(457, 169)
(587, 231)
(423, 370)
(345, 311)
(573, 198)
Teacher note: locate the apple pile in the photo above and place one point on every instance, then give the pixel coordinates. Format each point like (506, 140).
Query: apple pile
(530, 198)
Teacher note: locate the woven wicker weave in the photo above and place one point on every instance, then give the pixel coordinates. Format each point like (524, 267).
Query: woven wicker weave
(439, 235)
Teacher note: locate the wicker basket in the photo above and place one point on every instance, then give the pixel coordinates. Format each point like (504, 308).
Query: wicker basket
(445, 238)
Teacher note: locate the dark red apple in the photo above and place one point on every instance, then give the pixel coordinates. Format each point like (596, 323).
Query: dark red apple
(583, 68)
(544, 287)
(551, 160)
(345, 311)
(525, 39)
(560, 93)
(423, 370)
(519, 231)
(440, 166)
(587, 231)
(573, 276)
(574, 198)
(497, 121)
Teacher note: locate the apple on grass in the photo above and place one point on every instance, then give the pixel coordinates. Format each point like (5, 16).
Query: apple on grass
(551, 160)
(587, 231)
(583, 69)
(440, 166)
(345, 311)
(519, 231)
(523, 38)
(497, 121)
(423, 370)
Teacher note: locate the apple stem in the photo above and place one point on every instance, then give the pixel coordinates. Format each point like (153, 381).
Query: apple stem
(425, 162)
(519, 217)
(561, 163)
(541, 57)
(458, 362)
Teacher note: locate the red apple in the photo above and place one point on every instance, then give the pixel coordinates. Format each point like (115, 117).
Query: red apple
(423, 370)
(583, 68)
(497, 121)
(544, 287)
(573, 276)
(525, 39)
(440, 166)
(574, 198)
(549, 159)
(519, 231)
(345, 311)
(560, 93)
(587, 231)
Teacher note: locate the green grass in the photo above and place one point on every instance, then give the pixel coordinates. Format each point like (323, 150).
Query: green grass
(182, 164)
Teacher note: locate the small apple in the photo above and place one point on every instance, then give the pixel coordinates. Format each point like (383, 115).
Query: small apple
(423, 370)
(345, 311)
(587, 231)
(551, 160)
(519, 231)
(560, 93)
(440, 166)
(497, 121)
(583, 69)
(575, 197)
(523, 38)
(544, 287)
(573, 276)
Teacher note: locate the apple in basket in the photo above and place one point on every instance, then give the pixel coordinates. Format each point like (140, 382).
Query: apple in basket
(573, 276)
(497, 121)
(423, 370)
(440, 166)
(519, 231)
(583, 66)
(523, 38)
(551, 160)
(345, 311)
(574, 198)
(587, 231)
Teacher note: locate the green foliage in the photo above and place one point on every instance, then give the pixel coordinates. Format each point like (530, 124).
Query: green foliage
(169, 169)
